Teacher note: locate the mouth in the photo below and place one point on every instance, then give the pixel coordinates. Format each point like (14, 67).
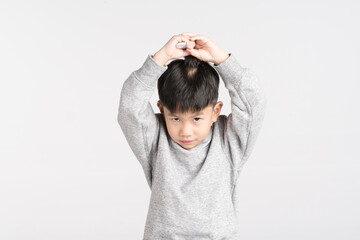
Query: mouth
(187, 142)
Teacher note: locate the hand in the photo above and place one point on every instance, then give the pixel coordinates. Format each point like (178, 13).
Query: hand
(205, 49)
(170, 51)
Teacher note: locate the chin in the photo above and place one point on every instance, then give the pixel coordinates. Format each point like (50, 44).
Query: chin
(187, 146)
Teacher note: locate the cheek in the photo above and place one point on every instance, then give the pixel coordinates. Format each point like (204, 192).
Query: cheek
(171, 130)
(171, 127)
(203, 128)
(207, 123)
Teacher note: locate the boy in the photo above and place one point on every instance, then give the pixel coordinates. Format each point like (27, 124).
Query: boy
(191, 155)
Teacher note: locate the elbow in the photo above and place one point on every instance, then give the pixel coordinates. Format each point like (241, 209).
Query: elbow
(119, 118)
(262, 103)
(259, 105)
(121, 113)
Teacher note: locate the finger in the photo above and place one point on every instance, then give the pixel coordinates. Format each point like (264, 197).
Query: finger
(180, 39)
(186, 53)
(188, 34)
(190, 44)
(183, 38)
(194, 52)
(198, 37)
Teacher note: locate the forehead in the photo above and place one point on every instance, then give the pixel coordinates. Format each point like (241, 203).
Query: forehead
(204, 111)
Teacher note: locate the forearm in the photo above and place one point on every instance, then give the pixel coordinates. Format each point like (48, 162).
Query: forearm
(241, 80)
(143, 79)
(135, 114)
(139, 87)
(248, 104)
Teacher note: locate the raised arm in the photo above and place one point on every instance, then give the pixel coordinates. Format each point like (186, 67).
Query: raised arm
(135, 114)
(248, 104)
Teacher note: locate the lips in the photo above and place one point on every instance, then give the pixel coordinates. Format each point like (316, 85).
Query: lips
(187, 142)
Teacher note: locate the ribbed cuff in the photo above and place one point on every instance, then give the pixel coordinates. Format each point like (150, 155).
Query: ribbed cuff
(150, 71)
(229, 69)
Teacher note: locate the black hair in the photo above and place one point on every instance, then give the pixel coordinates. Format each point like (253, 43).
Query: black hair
(188, 84)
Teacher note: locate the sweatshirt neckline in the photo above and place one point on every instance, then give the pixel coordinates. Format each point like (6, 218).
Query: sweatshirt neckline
(198, 147)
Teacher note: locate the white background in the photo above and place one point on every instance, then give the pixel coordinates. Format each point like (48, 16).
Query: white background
(66, 171)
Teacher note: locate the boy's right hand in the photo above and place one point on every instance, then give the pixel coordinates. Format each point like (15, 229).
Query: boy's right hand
(170, 51)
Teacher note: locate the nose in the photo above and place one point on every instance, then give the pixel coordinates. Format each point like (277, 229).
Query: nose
(186, 131)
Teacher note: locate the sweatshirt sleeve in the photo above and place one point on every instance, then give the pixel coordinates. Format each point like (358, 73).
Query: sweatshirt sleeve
(248, 104)
(136, 117)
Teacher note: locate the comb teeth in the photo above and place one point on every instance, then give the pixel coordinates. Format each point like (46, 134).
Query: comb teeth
(181, 45)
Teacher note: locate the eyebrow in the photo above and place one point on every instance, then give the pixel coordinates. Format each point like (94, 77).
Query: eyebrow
(196, 114)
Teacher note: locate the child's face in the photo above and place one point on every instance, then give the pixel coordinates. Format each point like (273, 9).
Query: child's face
(190, 126)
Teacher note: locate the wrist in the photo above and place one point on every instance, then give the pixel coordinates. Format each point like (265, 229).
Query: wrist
(221, 58)
(160, 58)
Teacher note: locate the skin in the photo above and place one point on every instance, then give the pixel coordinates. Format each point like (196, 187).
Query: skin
(198, 46)
(188, 126)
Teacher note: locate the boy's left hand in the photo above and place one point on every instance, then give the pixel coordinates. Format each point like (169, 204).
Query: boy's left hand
(205, 49)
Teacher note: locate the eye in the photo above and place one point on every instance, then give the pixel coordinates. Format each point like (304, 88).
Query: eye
(197, 118)
(174, 119)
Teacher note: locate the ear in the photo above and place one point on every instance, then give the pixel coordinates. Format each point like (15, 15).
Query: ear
(216, 111)
(160, 107)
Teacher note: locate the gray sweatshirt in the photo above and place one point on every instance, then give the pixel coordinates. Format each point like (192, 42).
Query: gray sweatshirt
(194, 193)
